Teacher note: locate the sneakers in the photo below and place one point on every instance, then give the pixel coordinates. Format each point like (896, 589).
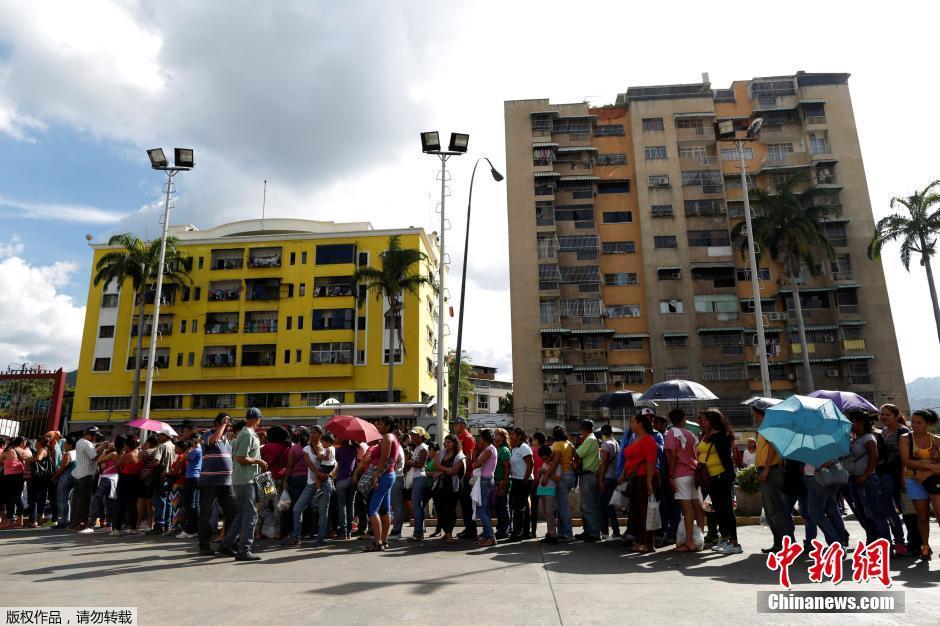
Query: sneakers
(87, 531)
(186, 535)
(226, 551)
(247, 556)
(718, 547)
(728, 548)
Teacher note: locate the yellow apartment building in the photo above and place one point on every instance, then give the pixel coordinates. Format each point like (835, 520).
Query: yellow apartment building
(271, 319)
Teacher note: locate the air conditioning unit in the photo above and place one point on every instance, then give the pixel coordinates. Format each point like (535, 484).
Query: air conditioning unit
(832, 373)
(829, 338)
(776, 316)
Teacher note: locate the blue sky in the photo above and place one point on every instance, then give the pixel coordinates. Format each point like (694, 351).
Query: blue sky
(325, 100)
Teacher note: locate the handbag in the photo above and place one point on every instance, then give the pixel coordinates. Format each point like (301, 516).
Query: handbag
(43, 469)
(833, 477)
(365, 481)
(265, 488)
(702, 477)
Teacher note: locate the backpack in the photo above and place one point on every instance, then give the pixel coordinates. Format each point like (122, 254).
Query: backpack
(43, 470)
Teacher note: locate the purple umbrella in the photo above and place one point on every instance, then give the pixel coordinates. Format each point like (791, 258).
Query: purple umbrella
(846, 400)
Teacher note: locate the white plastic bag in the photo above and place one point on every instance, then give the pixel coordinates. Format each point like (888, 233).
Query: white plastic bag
(284, 502)
(617, 500)
(271, 523)
(698, 538)
(653, 520)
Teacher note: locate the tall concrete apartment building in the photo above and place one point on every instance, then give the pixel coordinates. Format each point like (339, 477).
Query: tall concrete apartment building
(623, 272)
(271, 319)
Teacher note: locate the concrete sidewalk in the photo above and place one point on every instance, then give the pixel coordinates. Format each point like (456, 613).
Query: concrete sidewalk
(512, 583)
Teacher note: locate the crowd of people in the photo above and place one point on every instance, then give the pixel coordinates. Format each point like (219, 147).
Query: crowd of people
(237, 482)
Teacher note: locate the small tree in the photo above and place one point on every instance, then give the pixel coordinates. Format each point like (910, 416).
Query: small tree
(466, 387)
(918, 234)
(391, 282)
(139, 261)
(505, 404)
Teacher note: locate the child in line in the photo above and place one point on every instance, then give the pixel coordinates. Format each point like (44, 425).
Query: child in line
(326, 457)
(546, 494)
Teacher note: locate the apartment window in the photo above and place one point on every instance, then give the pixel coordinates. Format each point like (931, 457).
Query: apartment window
(608, 130)
(261, 355)
(377, 396)
(661, 210)
(613, 186)
(618, 247)
(617, 158)
(483, 402)
(743, 275)
(191, 359)
(728, 338)
(102, 364)
(549, 275)
(691, 122)
(708, 238)
(179, 359)
(183, 327)
(543, 188)
(731, 154)
(335, 253)
(324, 319)
(676, 340)
(618, 217)
(289, 322)
(633, 343)
(582, 214)
(105, 332)
(109, 403)
(430, 366)
(197, 293)
(270, 400)
(695, 153)
(722, 304)
(670, 307)
(704, 208)
(331, 353)
(779, 151)
(195, 325)
(621, 278)
(333, 286)
(704, 178)
(616, 311)
(300, 322)
(201, 262)
(818, 143)
(287, 356)
(302, 288)
(665, 241)
(544, 213)
(316, 398)
(673, 373)
(214, 401)
(724, 371)
(653, 123)
(109, 300)
(293, 258)
(669, 273)
(653, 153)
(548, 314)
(386, 352)
(361, 322)
(166, 402)
(767, 305)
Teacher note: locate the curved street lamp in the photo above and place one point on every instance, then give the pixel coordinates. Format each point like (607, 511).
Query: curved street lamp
(455, 392)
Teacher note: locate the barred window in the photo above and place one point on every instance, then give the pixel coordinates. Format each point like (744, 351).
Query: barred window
(608, 130)
(621, 278)
(578, 243)
(618, 247)
(619, 158)
(653, 123)
(615, 311)
(653, 153)
(580, 274)
(581, 307)
(331, 353)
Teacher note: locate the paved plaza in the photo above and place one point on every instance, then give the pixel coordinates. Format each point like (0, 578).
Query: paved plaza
(512, 583)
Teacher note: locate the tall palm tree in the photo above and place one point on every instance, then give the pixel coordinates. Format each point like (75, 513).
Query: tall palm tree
(918, 233)
(391, 282)
(138, 261)
(791, 231)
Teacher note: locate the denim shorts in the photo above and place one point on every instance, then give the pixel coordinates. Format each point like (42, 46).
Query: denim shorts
(382, 494)
(915, 490)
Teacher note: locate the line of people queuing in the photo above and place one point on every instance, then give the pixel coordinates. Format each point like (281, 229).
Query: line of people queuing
(503, 482)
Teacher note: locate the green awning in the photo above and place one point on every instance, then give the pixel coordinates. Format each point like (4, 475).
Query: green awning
(579, 177)
(668, 267)
(824, 160)
(553, 402)
(835, 220)
(775, 107)
(800, 361)
(554, 331)
(813, 101)
(807, 290)
(675, 334)
(553, 367)
(849, 286)
(577, 117)
(552, 113)
(546, 174)
(852, 323)
(630, 336)
(856, 357)
(593, 331)
(829, 186)
(590, 368)
(767, 330)
(701, 114)
(812, 327)
(725, 329)
(577, 149)
(725, 118)
(620, 369)
(544, 144)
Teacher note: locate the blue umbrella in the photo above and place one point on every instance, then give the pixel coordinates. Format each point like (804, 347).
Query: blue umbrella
(809, 430)
(678, 390)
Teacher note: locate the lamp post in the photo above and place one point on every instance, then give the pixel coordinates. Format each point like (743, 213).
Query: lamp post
(431, 144)
(726, 132)
(455, 392)
(182, 162)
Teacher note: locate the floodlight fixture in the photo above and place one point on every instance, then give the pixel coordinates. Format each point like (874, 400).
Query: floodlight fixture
(183, 157)
(431, 142)
(459, 142)
(157, 158)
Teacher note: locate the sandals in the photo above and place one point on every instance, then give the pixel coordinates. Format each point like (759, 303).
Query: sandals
(642, 549)
(375, 547)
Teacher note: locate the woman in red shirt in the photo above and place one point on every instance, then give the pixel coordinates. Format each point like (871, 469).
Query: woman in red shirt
(640, 465)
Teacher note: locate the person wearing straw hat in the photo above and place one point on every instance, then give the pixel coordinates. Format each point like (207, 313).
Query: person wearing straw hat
(415, 466)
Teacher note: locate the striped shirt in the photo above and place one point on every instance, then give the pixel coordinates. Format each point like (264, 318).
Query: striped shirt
(216, 462)
(85, 454)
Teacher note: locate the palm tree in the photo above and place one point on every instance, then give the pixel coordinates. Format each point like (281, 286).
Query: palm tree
(137, 261)
(391, 282)
(919, 234)
(791, 231)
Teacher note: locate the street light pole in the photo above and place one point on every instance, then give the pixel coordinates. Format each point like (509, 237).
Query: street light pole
(183, 161)
(455, 392)
(755, 284)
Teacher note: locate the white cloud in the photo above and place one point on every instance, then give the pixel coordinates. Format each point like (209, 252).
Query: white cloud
(13, 247)
(40, 324)
(61, 212)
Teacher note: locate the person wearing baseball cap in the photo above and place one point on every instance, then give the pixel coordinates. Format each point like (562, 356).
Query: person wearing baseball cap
(86, 455)
(248, 463)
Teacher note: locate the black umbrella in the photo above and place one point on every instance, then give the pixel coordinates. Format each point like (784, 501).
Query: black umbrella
(676, 390)
(617, 400)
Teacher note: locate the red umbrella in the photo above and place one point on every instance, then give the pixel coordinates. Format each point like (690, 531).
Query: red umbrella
(347, 427)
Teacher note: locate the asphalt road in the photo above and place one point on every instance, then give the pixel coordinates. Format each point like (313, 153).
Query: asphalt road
(509, 584)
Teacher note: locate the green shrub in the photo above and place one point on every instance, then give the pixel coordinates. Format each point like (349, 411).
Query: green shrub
(747, 480)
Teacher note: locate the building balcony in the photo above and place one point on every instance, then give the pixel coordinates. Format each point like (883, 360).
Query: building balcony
(264, 257)
(838, 276)
(853, 344)
(790, 160)
(815, 120)
(700, 162)
(858, 379)
(839, 242)
(551, 356)
(847, 310)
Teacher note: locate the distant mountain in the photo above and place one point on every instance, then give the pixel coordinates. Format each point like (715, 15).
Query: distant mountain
(70, 378)
(924, 393)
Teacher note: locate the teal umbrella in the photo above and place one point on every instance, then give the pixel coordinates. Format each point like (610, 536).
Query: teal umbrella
(809, 430)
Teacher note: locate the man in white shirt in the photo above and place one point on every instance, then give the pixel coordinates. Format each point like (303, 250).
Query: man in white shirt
(750, 454)
(520, 484)
(84, 476)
